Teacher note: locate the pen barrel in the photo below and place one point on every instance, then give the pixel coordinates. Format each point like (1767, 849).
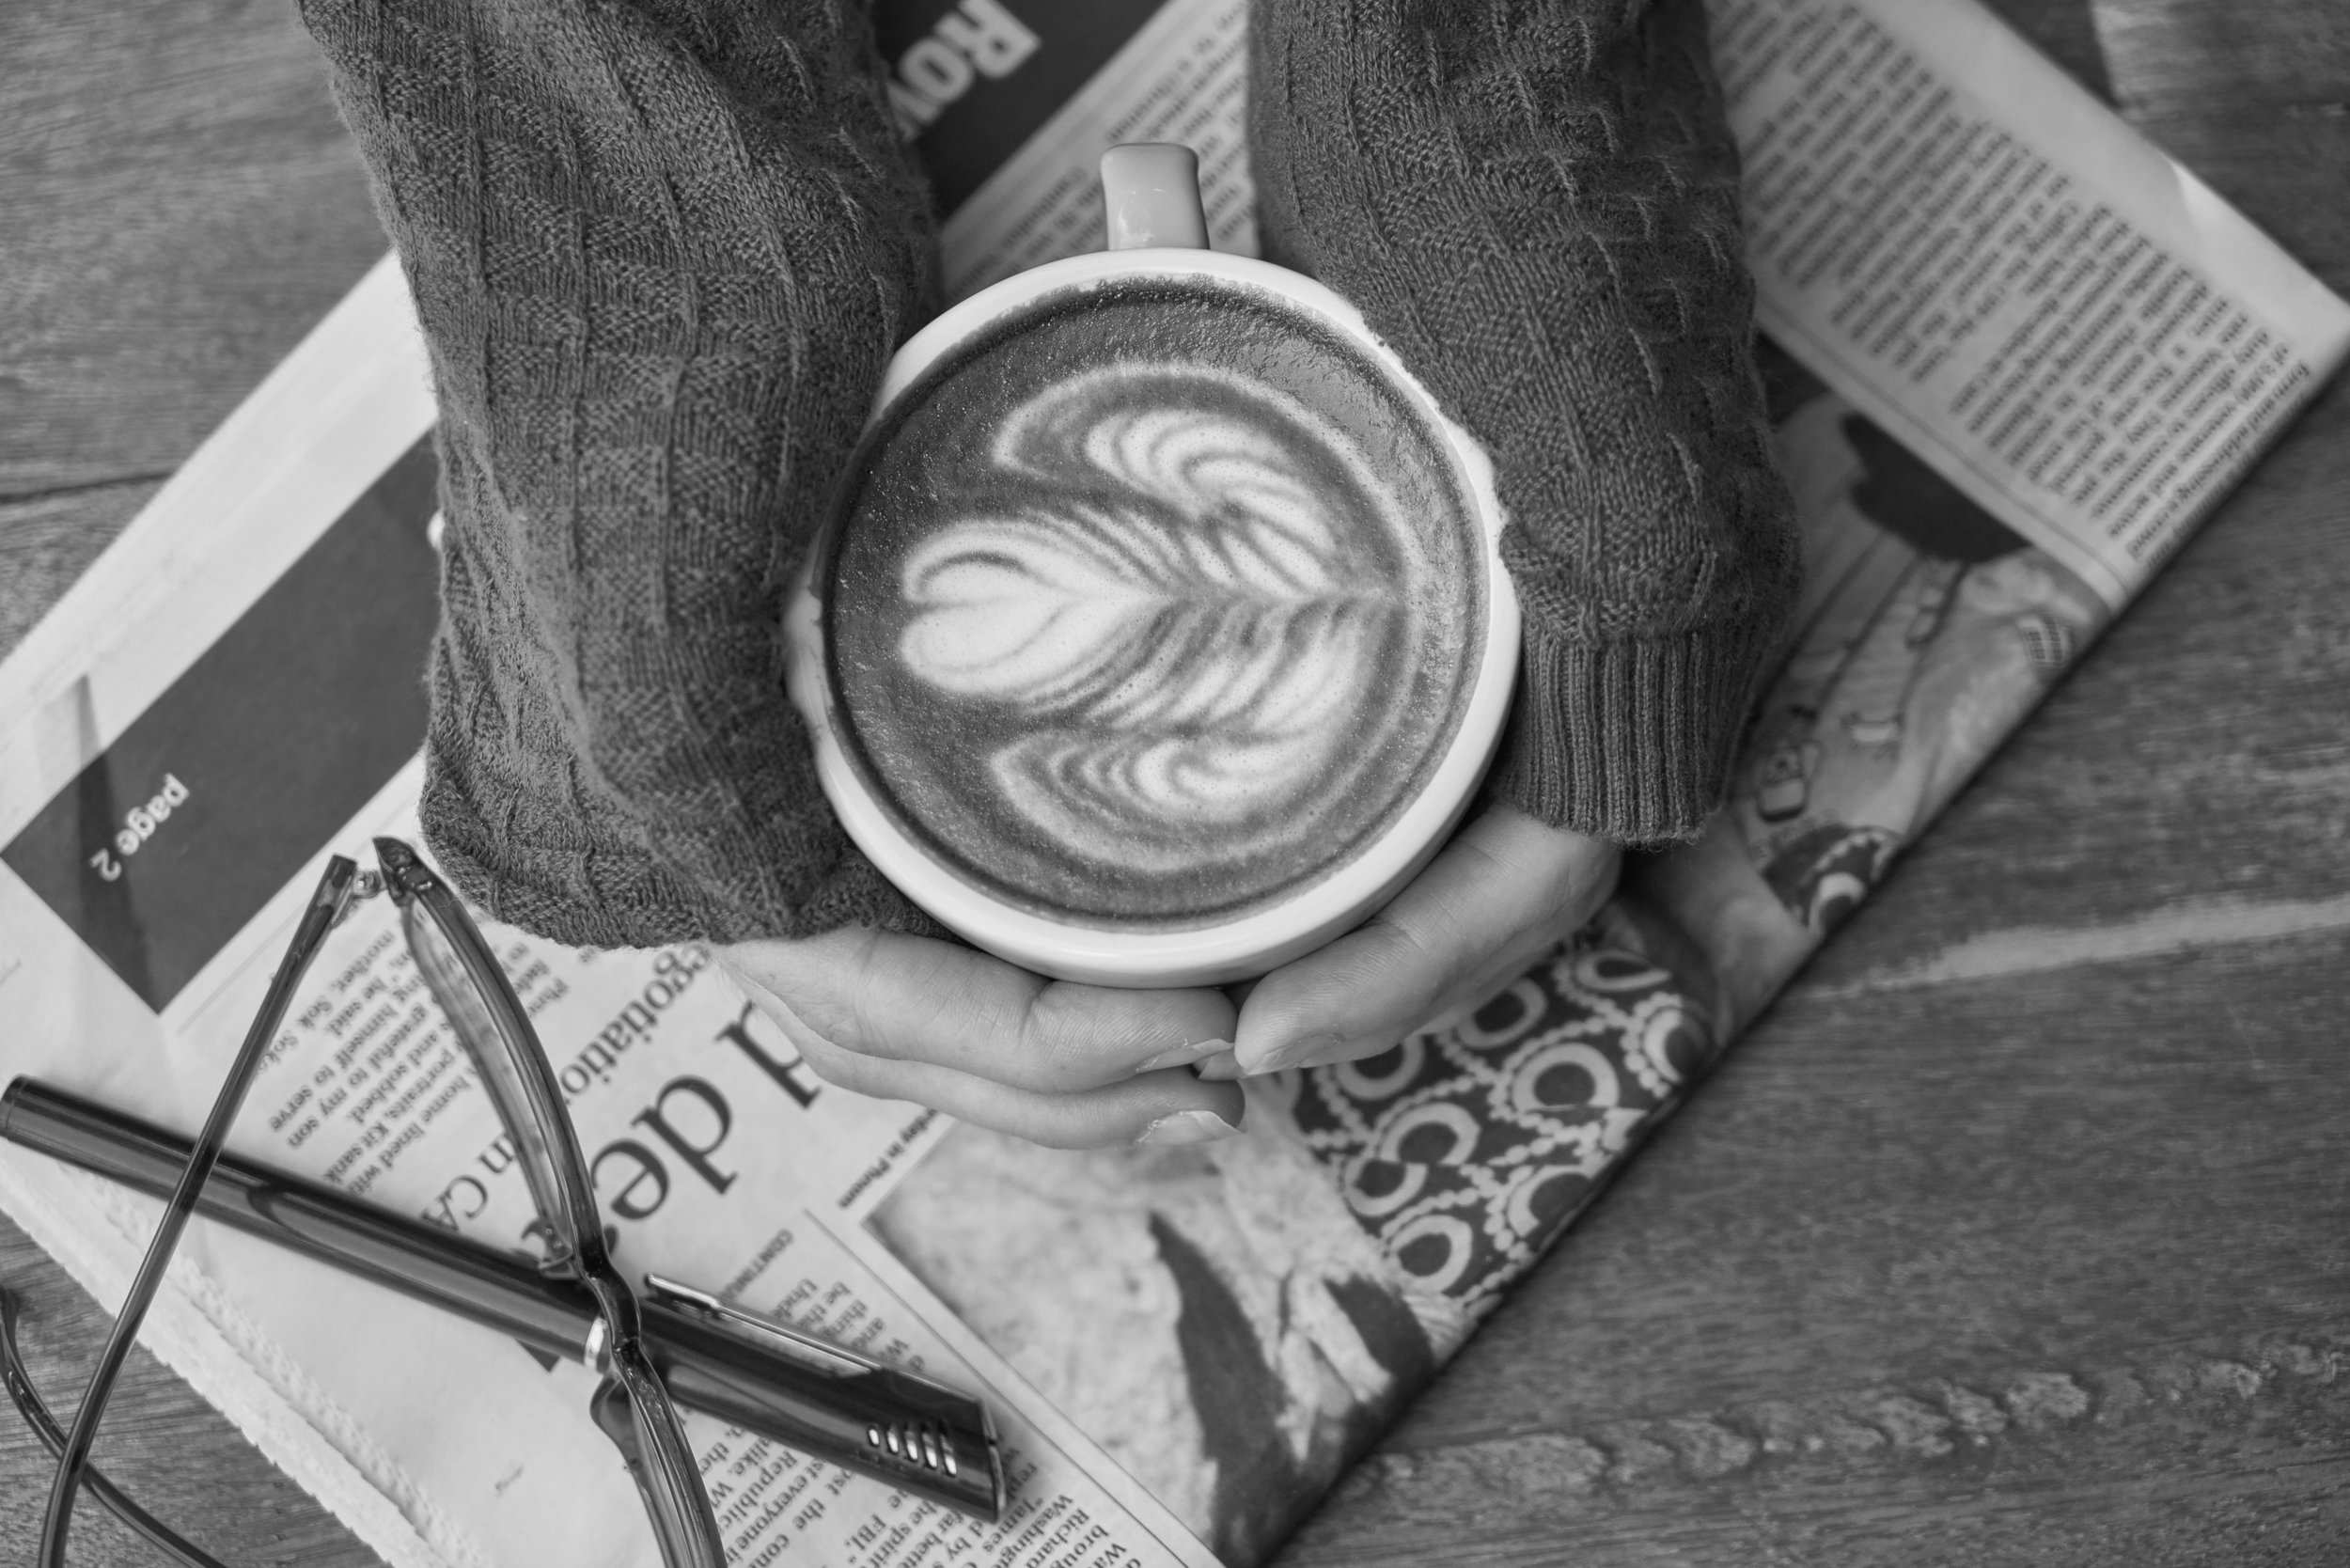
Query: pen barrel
(919, 1436)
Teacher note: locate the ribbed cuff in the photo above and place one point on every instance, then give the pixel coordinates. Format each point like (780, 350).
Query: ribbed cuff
(1629, 741)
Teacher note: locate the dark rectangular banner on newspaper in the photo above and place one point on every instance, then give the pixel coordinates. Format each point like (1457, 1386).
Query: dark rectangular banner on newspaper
(175, 835)
(972, 80)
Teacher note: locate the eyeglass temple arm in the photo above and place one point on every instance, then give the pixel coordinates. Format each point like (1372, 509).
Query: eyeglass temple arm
(318, 917)
(495, 1029)
(643, 1425)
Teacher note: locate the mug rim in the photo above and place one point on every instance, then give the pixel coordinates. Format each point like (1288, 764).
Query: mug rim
(1292, 923)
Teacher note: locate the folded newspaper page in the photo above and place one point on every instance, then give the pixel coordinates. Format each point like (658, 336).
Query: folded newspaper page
(2016, 355)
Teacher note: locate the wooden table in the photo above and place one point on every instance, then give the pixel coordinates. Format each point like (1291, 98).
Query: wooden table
(2018, 1231)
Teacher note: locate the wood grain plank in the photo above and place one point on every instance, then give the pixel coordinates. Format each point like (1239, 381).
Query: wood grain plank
(46, 544)
(178, 1456)
(183, 205)
(2166, 1459)
(2255, 100)
(2221, 64)
(2184, 928)
(2066, 31)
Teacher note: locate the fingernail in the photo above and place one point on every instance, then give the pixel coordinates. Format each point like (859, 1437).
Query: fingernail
(1221, 1068)
(1303, 1052)
(1191, 1126)
(1184, 1056)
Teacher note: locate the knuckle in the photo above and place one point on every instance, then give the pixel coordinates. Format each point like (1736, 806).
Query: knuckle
(1057, 1036)
(844, 1070)
(857, 978)
(1411, 959)
(829, 990)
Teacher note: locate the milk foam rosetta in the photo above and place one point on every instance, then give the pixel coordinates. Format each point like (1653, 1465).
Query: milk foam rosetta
(1176, 610)
(1165, 642)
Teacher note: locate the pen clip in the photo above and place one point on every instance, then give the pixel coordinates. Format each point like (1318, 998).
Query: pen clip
(808, 1349)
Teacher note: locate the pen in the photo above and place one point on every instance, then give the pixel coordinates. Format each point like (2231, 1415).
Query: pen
(823, 1400)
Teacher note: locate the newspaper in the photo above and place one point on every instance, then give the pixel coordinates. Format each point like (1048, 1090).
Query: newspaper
(2015, 356)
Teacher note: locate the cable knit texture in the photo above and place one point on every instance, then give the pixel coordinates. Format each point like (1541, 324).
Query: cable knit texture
(1536, 204)
(663, 249)
(661, 252)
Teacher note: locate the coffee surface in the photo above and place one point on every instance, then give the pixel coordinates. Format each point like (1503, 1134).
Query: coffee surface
(1153, 605)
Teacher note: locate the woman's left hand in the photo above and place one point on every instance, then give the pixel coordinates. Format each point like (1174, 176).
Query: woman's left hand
(1505, 890)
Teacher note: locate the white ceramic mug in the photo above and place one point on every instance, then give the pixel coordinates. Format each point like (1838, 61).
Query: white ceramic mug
(1157, 232)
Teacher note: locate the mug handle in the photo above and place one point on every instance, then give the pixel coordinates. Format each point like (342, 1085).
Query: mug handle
(1150, 197)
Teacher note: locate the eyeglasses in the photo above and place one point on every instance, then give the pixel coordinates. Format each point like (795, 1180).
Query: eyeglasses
(917, 1434)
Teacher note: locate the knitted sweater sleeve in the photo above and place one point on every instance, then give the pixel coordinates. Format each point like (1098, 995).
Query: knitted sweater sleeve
(661, 252)
(1536, 205)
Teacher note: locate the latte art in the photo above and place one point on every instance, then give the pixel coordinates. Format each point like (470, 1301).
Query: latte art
(1176, 610)
(1153, 640)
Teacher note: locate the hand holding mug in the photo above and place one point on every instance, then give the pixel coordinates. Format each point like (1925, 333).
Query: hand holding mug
(1159, 637)
(1506, 890)
(1082, 1066)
